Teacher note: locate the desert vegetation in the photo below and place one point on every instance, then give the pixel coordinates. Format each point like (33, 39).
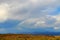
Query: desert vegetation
(27, 37)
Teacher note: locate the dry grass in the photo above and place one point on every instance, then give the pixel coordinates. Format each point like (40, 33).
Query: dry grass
(27, 37)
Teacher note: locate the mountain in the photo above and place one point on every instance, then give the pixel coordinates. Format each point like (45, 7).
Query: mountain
(46, 33)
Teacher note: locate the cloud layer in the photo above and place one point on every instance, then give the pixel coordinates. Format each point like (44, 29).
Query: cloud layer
(32, 14)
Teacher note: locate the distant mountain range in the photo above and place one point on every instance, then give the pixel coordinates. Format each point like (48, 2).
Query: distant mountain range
(47, 33)
(38, 33)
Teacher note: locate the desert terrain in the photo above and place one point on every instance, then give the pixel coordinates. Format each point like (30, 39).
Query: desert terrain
(27, 37)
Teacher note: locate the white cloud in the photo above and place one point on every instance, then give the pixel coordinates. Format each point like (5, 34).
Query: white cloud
(31, 8)
(40, 23)
(20, 10)
(44, 22)
(3, 12)
(34, 13)
(37, 22)
(56, 28)
(57, 17)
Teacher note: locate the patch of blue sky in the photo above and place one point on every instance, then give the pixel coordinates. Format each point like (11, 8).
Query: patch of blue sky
(9, 24)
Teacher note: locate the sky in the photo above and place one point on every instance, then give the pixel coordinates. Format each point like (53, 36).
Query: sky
(29, 16)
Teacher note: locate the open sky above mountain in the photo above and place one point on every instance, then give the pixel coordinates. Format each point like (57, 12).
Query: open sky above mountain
(29, 16)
